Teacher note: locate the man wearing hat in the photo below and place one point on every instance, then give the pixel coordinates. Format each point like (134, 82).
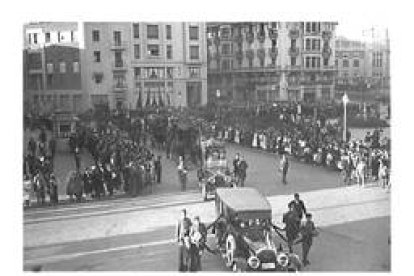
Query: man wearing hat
(291, 221)
(284, 166)
(182, 230)
(308, 231)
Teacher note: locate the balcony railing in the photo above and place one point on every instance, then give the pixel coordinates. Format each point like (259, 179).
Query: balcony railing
(294, 34)
(118, 45)
(119, 65)
(120, 87)
(326, 52)
(294, 51)
(250, 37)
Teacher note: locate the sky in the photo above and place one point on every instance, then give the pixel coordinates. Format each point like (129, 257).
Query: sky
(354, 29)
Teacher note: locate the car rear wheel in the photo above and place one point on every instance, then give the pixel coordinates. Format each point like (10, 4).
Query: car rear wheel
(230, 248)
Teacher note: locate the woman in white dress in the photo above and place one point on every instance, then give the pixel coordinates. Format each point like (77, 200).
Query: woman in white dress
(254, 142)
(263, 141)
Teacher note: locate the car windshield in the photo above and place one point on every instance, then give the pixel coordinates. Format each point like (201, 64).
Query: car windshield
(254, 230)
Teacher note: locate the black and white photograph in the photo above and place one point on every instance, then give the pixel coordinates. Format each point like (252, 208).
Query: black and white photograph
(247, 144)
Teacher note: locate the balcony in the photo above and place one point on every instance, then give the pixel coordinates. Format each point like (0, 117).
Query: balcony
(273, 34)
(326, 35)
(216, 40)
(326, 52)
(293, 51)
(119, 66)
(120, 87)
(311, 51)
(118, 46)
(294, 34)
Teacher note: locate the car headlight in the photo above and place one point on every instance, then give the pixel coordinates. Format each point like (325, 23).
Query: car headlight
(283, 259)
(253, 262)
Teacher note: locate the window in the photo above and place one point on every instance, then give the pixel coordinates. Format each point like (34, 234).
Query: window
(318, 62)
(47, 38)
(118, 59)
(98, 78)
(137, 72)
(293, 61)
(62, 67)
(314, 27)
(137, 51)
(97, 56)
(72, 36)
(293, 43)
(308, 44)
(307, 63)
(225, 49)
(152, 31)
(193, 32)
(313, 62)
(30, 39)
(194, 52)
(95, 36)
(119, 80)
(58, 36)
(325, 62)
(336, 62)
(75, 67)
(117, 38)
(35, 38)
(308, 27)
(168, 31)
(49, 80)
(250, 62)
(169, 52)
(345, 63)
(50, 68)
(135, 28)
(194, 72)
(273, 62)
(356, 63)
(317, 44)
(153, 50)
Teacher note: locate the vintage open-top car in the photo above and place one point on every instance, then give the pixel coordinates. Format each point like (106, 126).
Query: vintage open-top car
(214, 172)
(245, 235)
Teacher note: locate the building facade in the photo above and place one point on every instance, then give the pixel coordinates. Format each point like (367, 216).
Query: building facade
(351, 62)
(51, 68)
(264, 62)
(362, 65)
(133, 64)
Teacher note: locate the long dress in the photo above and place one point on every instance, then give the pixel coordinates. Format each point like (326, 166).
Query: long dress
(263, 141)
(237, 137)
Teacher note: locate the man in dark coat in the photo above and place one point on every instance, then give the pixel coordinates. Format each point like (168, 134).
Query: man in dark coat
(242, 170)
(308, 231)
(291, 219)
(298, 206)
(158, 169)
(284, 166)
(182, 231)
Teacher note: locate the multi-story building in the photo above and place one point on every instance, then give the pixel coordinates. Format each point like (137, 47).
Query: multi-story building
(271, 61)
(127, 64)
(352, 64)
(51, 68)
(363, 65)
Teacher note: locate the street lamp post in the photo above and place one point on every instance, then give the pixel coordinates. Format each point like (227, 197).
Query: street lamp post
(345, 100)
(218, 102)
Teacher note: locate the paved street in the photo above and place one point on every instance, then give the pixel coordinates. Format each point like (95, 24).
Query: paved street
(137, 234)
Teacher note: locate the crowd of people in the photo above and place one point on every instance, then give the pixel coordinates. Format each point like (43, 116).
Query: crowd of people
(312, 138)
(38, 170)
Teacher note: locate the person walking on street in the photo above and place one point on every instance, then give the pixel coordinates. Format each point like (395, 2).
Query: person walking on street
(182, 174)
(182, 231)
(158, 169)
(198, 236)
(242, 171)
(77, 159)
(284, 166)
(308, 231)
(236, 161)
(298, 206)
(291, 219)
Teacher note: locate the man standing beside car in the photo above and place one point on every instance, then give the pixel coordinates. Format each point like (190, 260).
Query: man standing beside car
(242, 169)
(308, 231)
(291, 221)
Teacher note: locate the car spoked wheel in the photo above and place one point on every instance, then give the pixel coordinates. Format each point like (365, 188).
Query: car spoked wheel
(230, 248)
